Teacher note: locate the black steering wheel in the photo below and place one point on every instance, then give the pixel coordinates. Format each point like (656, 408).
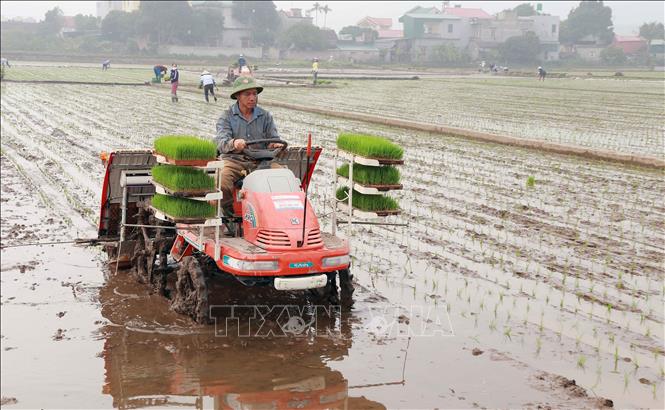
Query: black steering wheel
(265, 154)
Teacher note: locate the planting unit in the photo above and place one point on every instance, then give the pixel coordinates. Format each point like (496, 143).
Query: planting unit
(272, 239)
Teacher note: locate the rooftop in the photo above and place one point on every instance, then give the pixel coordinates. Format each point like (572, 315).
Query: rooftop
(467, 12)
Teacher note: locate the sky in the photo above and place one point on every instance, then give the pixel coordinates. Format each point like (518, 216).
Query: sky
(626, 15)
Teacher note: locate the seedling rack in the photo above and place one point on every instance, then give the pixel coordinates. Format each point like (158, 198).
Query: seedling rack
(354, 215)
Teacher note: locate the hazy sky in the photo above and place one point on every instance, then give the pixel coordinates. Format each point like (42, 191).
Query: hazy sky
(627, 15)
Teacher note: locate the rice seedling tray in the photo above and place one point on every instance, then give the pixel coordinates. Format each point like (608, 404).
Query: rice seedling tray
(161, 215)
(367, 214)
(185, 150)
(372, 162)
(370, 189)
(200, 163)
(200, 195)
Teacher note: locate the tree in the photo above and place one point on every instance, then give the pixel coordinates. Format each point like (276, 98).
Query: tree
(52, 23)
(207, 26)
(653, 30)
(119, 25)
(316, 7)
(303, 36)
(86, 23)
(325, 10)
(525, 9)
(367, 34)
(261, 16)
(613, 56)
(589, 18)
(165, 22)
(521, 49)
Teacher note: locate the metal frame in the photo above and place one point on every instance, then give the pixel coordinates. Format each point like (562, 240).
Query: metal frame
(127, 180)
(355, 159)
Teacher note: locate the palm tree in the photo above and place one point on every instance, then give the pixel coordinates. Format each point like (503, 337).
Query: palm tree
(325, 9)
(316, 9)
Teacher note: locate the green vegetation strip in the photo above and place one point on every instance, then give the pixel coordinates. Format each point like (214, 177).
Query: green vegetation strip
(367, 175)
(183, 207)
(369, 146)
(182, 178)
(185, 147)
(369, 203)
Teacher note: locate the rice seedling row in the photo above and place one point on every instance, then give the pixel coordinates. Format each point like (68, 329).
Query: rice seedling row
(621, 122)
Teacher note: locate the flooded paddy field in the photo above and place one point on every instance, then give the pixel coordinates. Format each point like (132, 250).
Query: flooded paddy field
(496, 294)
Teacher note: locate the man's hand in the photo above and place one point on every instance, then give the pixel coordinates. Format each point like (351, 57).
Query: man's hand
(239, 144)
(274, 145)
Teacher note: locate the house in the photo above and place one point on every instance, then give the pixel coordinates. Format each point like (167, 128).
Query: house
(491, 33)
(657, 52)
(235, 33)
(383, 26)
(291, 17)
(426, 29)
(631, 45)
(587, 48)
(68, 27)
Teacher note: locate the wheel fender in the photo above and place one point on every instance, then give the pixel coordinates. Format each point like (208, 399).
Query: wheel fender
(181, 248)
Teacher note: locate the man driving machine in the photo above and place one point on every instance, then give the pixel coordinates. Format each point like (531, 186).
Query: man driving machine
(240, 125)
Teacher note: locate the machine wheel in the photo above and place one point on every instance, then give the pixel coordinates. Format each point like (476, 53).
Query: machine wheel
(346, 287)
(327, 294)
(190, 296)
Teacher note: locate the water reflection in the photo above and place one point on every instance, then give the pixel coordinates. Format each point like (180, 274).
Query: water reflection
(155, 358)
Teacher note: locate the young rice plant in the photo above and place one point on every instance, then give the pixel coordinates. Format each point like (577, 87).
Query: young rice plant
(369, 203)
(366, 175)
(182, 178)
(183, 207)
(369, 146)
(185, 147)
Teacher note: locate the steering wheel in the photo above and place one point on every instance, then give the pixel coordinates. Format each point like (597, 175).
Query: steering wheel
(265, 154)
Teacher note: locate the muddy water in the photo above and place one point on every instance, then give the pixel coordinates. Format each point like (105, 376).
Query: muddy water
(523, 276)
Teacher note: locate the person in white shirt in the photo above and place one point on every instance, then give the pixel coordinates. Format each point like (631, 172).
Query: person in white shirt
(208, 83)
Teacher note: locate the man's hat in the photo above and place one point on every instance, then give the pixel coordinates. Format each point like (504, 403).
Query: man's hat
(244, 83)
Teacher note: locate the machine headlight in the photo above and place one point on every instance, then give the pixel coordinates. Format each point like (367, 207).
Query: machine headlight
(250, 265)
(342, 260)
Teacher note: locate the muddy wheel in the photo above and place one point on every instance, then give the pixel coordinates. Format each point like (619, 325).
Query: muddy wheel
(190, 296)
(327, 294)
(140, 262)
(346, 287)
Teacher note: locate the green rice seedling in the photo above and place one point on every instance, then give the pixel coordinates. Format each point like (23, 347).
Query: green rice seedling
(185, 147)
(183, 207)
(506, 332)
(616, 357)
(368, 203)
(530, 182)
(369, 146)
(182, 178)
(367, 175)
(581, 362)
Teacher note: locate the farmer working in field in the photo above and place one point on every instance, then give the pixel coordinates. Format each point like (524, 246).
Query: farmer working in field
(315, 70)
(160, 71)
(208, 84)
(541, 74)
(243, 121)
(175, 77)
